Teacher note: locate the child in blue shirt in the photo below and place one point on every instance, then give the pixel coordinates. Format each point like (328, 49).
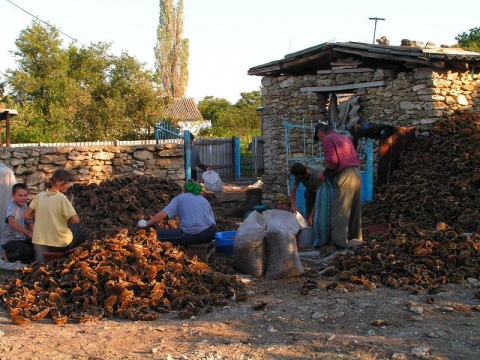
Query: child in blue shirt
(16, 237)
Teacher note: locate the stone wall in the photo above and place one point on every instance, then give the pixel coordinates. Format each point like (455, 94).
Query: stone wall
(94, 164)
(282, 100)
(418, 97)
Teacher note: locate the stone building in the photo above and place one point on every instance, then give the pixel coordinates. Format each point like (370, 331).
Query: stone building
(403, 86)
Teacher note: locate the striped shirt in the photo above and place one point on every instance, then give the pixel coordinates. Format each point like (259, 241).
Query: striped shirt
(339, 153)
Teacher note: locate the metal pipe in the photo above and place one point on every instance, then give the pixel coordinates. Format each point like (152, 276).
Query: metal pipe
(375, 28)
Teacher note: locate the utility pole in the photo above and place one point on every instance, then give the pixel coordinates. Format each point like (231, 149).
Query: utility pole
(375, 29)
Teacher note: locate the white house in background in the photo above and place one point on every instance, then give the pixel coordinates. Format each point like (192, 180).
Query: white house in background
(184, 112)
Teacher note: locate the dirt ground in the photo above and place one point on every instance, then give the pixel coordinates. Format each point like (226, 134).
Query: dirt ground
(295, 318)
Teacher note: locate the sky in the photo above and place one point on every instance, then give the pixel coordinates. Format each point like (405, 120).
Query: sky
(227, 37)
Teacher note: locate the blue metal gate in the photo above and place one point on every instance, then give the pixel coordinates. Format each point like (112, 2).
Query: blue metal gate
(222, 155)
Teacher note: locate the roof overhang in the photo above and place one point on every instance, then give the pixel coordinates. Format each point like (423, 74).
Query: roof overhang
(7, 112)
(322, 57)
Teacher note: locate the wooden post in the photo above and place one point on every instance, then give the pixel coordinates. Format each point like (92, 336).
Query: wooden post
(7, 129)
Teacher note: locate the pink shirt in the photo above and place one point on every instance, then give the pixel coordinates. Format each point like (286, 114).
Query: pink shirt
(339, 153)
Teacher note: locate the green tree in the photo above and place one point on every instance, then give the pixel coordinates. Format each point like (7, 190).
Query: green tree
(118, 97)
(78, 94)
(171, 51)
(253, 98)
(240, 119)
(40, 85)
(469, 41)
(211, 106)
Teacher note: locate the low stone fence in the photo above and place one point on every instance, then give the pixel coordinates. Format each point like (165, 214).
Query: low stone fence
(93, 164)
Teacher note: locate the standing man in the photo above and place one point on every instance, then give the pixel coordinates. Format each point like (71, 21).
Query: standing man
(309, 176)
(342, 165)
(195, 159)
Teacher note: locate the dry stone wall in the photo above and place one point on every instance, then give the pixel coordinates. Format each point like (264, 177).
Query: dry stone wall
(418, 97)
(94, 164)
(283, 100)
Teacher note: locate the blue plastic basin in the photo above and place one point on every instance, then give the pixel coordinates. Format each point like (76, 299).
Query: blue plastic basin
(224, 242)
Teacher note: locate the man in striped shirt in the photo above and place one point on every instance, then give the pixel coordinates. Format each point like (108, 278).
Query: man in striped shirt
(342, 166)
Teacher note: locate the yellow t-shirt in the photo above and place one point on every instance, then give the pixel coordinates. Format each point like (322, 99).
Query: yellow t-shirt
(52, 211)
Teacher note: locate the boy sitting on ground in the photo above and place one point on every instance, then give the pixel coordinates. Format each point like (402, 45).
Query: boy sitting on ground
(16, 237)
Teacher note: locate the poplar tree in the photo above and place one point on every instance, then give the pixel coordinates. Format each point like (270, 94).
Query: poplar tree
(171, 51)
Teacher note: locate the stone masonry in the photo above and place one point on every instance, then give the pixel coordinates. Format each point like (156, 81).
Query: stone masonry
(416, 97)
(94, 164)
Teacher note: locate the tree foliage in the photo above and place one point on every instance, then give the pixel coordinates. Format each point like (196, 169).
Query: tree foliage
(171, 51)
(240, 119)
(40, 83)
(469, 41)
(77, 94)
(210, 107)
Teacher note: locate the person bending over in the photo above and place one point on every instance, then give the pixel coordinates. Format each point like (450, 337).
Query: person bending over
(195, 160)
(309, 177)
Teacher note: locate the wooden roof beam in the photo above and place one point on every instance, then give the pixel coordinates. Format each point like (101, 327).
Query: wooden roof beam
(439, 64)
(343, 87)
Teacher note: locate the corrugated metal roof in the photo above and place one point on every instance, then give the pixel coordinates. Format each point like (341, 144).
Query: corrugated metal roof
(319, 57)
(183, 110)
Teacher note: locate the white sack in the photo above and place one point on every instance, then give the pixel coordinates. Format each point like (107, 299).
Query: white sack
(212, 181)
(249, 247)
(282, 258)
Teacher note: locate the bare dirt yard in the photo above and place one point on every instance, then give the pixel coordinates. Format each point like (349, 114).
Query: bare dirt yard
(309, 317)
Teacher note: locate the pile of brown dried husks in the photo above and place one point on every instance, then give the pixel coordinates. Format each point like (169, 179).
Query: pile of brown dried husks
(432, 207)
(120, 202)
(438, 180)
(134, 277)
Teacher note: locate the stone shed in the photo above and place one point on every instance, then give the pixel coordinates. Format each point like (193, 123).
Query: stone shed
(403, 86)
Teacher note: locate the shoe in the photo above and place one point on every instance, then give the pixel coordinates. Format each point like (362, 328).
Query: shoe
(354, 243)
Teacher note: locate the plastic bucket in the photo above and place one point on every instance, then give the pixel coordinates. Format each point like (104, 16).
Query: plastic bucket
(307, 237)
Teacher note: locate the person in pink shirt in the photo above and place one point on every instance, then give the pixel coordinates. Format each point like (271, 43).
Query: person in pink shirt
(342, 167)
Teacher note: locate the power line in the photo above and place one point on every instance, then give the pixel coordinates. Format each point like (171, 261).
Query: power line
(46, 23)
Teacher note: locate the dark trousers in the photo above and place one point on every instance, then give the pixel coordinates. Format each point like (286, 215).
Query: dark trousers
(79, 237)
(310, 198)
(178, 237)
(19, 250)
(194, 174)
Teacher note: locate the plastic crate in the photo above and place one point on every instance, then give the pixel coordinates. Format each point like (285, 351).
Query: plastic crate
(224, 242)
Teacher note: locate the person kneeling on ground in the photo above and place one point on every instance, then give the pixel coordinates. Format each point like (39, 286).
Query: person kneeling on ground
(197, 221)
(17, 233)
(56, 221)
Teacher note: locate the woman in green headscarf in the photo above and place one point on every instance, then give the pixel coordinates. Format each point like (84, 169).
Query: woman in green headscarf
(197, 221)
